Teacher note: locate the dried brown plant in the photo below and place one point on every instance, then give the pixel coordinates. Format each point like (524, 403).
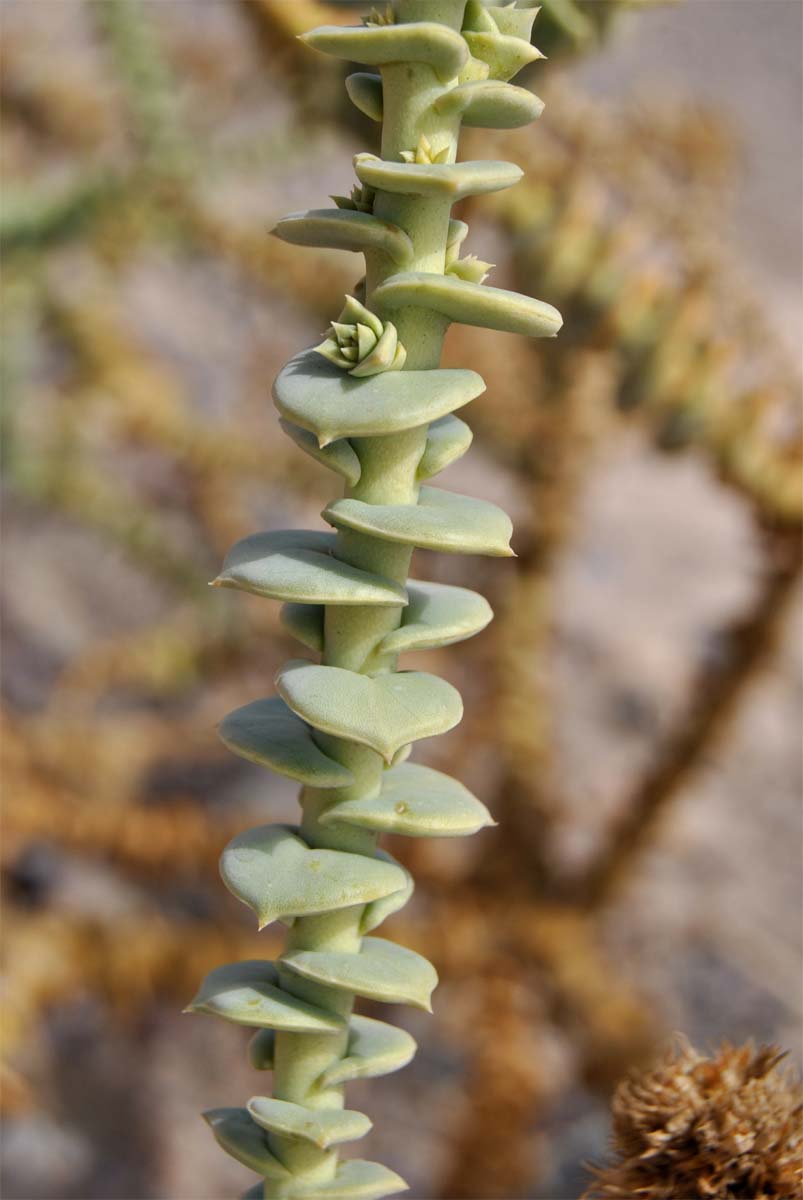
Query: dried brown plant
(720, 1128)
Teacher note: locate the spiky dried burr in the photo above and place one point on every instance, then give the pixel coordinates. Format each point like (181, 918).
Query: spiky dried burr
(714, 1128)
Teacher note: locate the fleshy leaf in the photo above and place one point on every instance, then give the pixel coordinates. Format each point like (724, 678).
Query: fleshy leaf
(356, 1179)
(262, 1049)
(323, 1127)
(268, 733)
(415, 801)
(441, 520)
(246, 993)
(338, 456)
(504, 56)
(304, 622)
(365, 93)
(345, 229)
(437, 615)
(490, 104)
(276, 874)
(379, 910)
(332, 405)
(470, 303)
(448, 438)
(298, 565)
(381, 970)
(385, 713)
(240, 1136)
(451, 181)
(422, 41)
(374, 1048)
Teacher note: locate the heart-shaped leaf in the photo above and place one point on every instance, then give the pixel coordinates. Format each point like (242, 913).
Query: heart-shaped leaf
(339, 456)
(246, 993)
(241, 1137)
(296, 564)
(447, 440)
(322, 1127)
(469, 303)
(415, 801)
(314, 393)
(268, 733)
(385, 713)
(374, 1049)
(381, 970)
(441, 520)
(445, 181)
(276, 874)
(437, 615)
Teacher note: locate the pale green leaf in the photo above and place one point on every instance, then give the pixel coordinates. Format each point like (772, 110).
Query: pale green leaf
(276, 874)
(447, 440)
(441, 520)
(323, 1127)
(379, 910)
(452, 181)
(268, 733)
(490, 104)
(338, 456)
(262, 1050)
(504, 56)
(374, 1048)
(356, 1179)
(415, 802)
(381, 970)
(365, 93)
(437, 615)
(313, 393)
(345, 229)
(384, 713)
(420, 42)
(246, 994)
(242, 1138)
(469, 303)
(299, 565)
(304, 622)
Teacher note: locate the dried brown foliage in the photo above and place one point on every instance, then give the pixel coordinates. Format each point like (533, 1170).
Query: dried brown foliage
(721, 1127)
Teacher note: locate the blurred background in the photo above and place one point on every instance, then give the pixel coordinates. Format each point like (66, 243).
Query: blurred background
(632, 715)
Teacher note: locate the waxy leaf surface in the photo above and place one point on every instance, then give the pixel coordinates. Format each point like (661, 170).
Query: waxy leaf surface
(381, 971)
(240, 1136)
(313, 393)
(374, 1048)
(447, 181)
(322, 1127)
(246, 993)
(441, 520)
(415, 801)
(276, 874)
(299, 565)
(385, 713)
(267, 732)
(470, 303)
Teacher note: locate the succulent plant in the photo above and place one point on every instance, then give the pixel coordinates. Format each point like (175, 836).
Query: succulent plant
(373, 405)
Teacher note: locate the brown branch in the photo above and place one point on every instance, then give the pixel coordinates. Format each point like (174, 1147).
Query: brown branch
(716, 693)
